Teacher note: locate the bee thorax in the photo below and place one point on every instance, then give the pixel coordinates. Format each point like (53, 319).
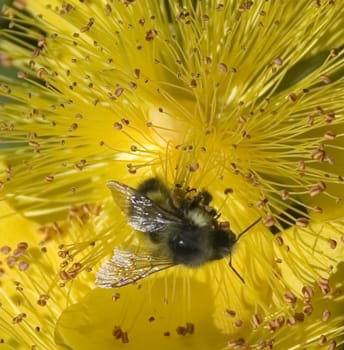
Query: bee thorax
(199, 217)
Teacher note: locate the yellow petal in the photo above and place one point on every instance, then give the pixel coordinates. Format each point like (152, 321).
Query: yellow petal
(147, 317)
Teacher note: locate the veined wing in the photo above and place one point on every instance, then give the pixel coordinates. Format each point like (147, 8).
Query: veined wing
(126, 267)
(142, 213)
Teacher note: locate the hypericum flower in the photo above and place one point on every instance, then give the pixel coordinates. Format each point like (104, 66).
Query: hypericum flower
(242, 98)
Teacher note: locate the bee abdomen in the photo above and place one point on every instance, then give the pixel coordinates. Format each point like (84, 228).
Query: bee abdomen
(157, 192)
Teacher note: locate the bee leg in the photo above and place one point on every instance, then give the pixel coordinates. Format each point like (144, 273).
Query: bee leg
(203, 197)
(234, 270)
(204, 200)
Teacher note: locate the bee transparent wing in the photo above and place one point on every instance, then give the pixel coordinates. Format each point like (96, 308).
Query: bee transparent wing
(126, 267)
(142, 213)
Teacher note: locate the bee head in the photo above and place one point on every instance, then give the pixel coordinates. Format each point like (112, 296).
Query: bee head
(223, 241)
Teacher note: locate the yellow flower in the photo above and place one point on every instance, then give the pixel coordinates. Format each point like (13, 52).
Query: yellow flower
(242, 98)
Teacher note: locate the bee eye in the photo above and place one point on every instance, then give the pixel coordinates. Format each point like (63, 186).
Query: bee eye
(180, 243)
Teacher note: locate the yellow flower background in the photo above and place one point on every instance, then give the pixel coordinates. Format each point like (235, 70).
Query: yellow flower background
(242, 98)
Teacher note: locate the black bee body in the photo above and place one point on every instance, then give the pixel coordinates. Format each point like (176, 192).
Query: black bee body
(193, 238)
(180, 225)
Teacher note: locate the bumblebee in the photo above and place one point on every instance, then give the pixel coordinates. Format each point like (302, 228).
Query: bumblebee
(181, 226)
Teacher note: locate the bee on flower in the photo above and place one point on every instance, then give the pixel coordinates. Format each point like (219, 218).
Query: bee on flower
(186, 155)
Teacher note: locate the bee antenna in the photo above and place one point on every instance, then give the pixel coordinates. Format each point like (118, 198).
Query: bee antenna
(230, 256)
(247, 229)
(234, 270)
